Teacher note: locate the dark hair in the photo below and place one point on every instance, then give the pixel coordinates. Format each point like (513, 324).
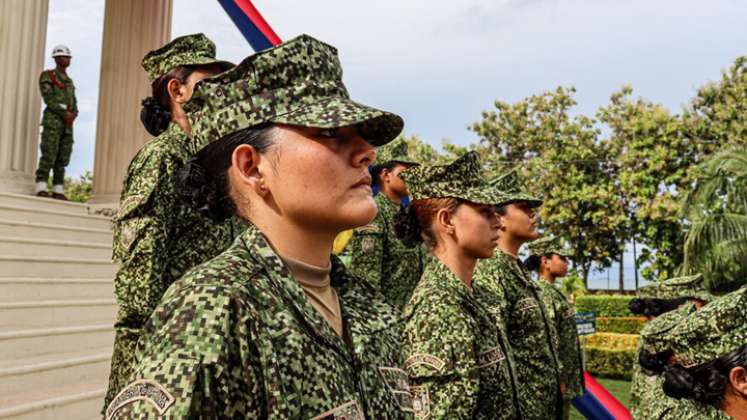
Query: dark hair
(654, 307)
(376, 170)
(502, 209)
(654, 362)
(156, 112)
(532, 263)
(706, 383)
(413, 223)
(203, 182)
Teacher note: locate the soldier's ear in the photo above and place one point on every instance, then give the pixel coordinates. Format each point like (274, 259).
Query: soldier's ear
(738, 380)
(177, 91)
(245, 166)
(444, 221)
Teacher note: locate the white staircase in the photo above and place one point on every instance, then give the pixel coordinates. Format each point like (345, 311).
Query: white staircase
(57, 309)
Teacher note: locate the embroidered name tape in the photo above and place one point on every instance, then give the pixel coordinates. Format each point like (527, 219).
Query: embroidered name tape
(425, 359)
(146, 390)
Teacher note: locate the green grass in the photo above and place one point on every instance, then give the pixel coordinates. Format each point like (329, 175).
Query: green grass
(619, 388)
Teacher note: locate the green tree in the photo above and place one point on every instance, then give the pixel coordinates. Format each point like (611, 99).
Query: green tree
(80, 189)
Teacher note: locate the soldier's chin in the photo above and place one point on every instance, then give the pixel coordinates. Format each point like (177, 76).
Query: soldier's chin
(357, 212)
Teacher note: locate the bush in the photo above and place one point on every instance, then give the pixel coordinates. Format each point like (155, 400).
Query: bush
(605, 305)
(610, 363)
(613, 341)
(620, 325)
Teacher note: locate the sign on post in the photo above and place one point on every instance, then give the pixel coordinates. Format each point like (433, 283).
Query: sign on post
(586, 323)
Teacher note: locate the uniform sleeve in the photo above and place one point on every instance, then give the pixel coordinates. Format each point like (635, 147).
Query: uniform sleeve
(48, 96)
(73, 99)
(141, 237)
(440, 362)
(198, 361)
(569, 352)
(367, 247)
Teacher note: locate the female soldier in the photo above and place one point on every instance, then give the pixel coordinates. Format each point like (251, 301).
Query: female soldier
(275, 327)
(378, 256)
(709, 355)
(550, 260)
(458, 359)
(156, 237)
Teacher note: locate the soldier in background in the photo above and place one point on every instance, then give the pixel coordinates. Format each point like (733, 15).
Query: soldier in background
(515, 301)
(550, 260)
(61, 109)
(377, 255)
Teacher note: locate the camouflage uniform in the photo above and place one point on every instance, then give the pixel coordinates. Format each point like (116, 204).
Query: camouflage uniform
(58, 93)
(561, 312)
(515, 300)
(237, 336)
(459, 361)
(156, 237)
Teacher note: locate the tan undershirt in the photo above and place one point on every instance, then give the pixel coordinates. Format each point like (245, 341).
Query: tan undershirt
(315, 282)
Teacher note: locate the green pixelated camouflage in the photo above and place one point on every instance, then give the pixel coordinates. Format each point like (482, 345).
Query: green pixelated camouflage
(514, 300)
(717, 329)
(462, 178)
(548, 245)
(562, 315)
(380, 258)
(299, 82)
(236, 337)
(56, 145)
(458, 359)
(188, 50)
(395, 151)
(512, 191)
(686, 286)
(648, 291)
(157, 238)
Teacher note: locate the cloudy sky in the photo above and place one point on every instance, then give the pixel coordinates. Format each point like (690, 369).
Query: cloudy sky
(439, 63)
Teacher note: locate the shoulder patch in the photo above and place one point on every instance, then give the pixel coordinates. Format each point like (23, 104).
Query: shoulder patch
(490, 357)
(398, 385)
(129, 204)
(421, 401)
(569, 313)
(368, 244)
(369, 228)
(425, 359)
(348, 411)
(128, 232)
(526, 304)
(146, 390)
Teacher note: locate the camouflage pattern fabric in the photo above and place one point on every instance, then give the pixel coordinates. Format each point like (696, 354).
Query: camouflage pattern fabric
(463, 178)
(512, 191)
(395, 151)
(56, 146)
(687, 286)
(717, 329)
(188, 50)
(548, 245)
(458, 359)
(648, 291)
(156, 239)
(514, 299)
(298, 82)
(237, 338)
(379, 257)
(647, 399)
(562, 314)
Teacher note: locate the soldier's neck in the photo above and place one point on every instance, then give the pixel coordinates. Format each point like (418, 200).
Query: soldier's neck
(180, 118)
(394, 198)
(62, 70)
(462, 265)
(509, 245)
(549, 277)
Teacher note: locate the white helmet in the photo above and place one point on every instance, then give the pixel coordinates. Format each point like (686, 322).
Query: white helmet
(61, 51)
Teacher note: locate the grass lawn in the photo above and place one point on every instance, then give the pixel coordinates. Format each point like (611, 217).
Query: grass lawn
(619, 388)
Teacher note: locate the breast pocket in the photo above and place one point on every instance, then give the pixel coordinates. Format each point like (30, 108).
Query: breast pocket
(527, 315)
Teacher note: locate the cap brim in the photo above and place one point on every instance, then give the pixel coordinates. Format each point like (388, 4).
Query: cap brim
(374, 125)
(481, 195)
(204, 61)
(506, 199)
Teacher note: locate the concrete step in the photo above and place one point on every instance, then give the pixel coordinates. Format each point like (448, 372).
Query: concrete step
(56, 313)
(34, 342)
(26, 229)
(30, 247)
(67, 218)
(20, 266)
(40, 203)
(78, 401)
(19, 289)
(54, 370)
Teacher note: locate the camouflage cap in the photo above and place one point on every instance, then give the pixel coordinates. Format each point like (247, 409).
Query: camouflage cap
(647, 292)
(548, 245)
(188, 50)
(687, 286)
(395, 151)
(717, 329)
(462, 178)
(298, 82)
(511, 191)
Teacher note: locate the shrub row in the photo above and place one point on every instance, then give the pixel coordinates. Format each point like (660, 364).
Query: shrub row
(610, 363)
(613, 341)
(605, 305)
(622, 325)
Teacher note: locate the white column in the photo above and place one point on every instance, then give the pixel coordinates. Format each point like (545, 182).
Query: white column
(131, 29)
(23, 32)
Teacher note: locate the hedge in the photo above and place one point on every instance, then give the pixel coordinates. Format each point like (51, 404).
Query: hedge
(613, 341)
(607, 363)
(605, 305)
(622, 325)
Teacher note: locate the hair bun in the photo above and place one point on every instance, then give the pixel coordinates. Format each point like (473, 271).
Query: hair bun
(406, 227)
(201, 193)
(637, 306)
(154, 116)
(654, 362)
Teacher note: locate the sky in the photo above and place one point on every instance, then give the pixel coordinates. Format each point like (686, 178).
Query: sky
(441, 63)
